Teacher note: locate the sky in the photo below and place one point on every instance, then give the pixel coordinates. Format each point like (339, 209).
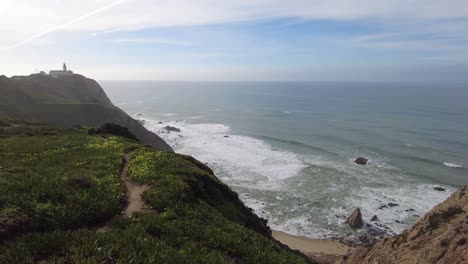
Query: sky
(239, 40)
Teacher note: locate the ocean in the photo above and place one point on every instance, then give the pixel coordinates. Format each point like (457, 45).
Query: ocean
(288, 148)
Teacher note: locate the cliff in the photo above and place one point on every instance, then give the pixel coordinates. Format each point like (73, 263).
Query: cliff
(66, 101)
(439, 237)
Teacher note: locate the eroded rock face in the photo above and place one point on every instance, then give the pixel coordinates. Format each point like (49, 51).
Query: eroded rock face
(355, 219)
(441, 236)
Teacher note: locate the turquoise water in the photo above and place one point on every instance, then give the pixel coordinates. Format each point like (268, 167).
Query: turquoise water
(290, 147)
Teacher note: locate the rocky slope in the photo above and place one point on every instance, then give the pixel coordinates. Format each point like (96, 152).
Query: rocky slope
(66, 101)
(439, 237)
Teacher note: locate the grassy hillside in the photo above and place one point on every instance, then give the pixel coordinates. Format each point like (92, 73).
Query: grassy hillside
(66, 101)
(62, 194)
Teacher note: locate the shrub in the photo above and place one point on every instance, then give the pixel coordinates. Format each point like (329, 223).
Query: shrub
(114, 129)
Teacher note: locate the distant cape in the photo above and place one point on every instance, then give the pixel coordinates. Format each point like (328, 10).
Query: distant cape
(66, 101)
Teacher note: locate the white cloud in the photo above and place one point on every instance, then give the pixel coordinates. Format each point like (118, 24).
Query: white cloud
(152, 41)
(33, 17)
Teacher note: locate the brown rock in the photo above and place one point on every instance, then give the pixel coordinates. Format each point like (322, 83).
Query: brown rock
(439, 237)
(355, 219)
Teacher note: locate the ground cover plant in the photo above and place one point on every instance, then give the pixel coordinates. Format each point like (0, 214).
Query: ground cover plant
(61, 197)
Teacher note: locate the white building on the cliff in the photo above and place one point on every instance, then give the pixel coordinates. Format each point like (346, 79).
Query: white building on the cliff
(58, 73)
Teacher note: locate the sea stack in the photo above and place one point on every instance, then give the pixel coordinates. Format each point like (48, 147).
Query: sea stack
(355, 219)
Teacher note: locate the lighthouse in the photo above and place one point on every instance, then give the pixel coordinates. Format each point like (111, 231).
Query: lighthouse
(59, 73)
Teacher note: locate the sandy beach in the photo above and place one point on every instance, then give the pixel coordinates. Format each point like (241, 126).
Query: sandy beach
(321, 250)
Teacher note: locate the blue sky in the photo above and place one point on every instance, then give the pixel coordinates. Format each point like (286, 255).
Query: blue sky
(333, 40)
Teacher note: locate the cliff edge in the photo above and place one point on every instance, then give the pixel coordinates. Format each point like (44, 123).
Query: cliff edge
(439, 237)
(66, 101)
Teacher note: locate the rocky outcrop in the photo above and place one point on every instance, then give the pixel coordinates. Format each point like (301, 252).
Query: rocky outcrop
(114, 129)
(361, 161)
(355, 219)
(439, 237)
(172, 129)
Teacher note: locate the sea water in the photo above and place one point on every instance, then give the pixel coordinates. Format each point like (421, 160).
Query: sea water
(288, 148)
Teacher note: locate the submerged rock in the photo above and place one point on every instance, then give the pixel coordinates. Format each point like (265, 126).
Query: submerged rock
(382, 207)
(171, 128)
(355, 219)
(374, 218)
(440, 189)
(361, 161)
(392, 204)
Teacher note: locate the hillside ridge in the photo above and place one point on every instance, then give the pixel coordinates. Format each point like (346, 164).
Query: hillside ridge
(66, 101)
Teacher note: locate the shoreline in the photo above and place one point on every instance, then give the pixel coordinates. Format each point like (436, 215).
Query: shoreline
(320, 250)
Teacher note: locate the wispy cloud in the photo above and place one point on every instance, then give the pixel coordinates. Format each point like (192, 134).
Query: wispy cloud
(152, 41)
(140, 14)
(65, 25)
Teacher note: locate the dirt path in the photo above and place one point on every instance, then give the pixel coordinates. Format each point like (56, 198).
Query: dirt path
(133, 192)
(135, 202)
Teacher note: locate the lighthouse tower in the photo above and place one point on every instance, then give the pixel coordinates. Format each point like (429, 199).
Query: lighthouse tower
(58, 73)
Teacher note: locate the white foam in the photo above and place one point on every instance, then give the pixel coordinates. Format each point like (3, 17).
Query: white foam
(167, 114)
(452, 165)
(250, 164)
(420, 198)
(194, 117)
(240, 158)
(301, 226)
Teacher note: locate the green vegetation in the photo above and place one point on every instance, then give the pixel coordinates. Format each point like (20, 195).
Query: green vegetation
(57, 191)
(59, 180)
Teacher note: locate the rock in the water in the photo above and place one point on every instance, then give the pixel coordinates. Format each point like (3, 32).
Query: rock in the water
(374, 218)
(392, 204)
(226, 136)
(355, 219)
(361, 161)
(171, 128)
(438, 237)
(440, 189)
